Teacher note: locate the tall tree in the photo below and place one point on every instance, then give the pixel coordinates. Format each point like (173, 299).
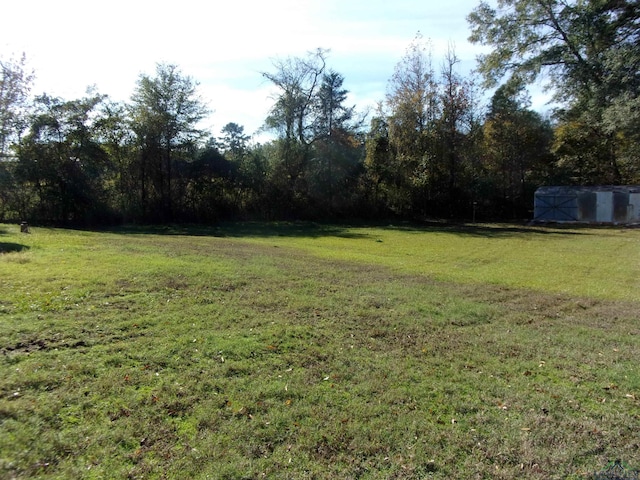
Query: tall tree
(567, 39)
(588, 51)
(61, 163)
(516, 151)
(234, 141)
(249, 167)
(378, 161)
(210, 177)
(412, 102)
(165, 113)
(297, 80)
(114, 132)
(337, 152)
(456, 118)
(15, 84)
(331, 114)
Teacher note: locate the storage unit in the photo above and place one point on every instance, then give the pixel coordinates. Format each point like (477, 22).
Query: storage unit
(618, 205)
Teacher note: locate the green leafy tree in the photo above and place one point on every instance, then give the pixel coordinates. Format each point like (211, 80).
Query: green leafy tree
(249, 166)
(427, 128)
(15, 85)
(337, 149)
(588, 53)
(412, 103)
(61, 165)
(297, 80)
(516, 152)
(165, 113)
(112, 130)
(251, 181)
(331, 114)
(456, 118)
(234, 142)
(209, 194)
(378, 161)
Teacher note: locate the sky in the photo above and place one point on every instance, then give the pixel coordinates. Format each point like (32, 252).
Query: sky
(225, 45)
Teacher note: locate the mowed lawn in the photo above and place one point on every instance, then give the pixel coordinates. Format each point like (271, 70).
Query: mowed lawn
(305, 351)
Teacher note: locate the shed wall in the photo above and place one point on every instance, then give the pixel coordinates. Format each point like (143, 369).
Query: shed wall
(634, 207)
(617, 205)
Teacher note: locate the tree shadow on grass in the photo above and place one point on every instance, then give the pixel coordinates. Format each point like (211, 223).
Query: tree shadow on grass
(248, 230)
(497, 230)
(302, 229)
(12, 247)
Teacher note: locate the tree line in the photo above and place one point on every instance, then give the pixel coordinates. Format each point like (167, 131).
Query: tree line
(432, 148)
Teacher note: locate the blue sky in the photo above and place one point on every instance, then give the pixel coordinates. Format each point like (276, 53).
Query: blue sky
(224, 46)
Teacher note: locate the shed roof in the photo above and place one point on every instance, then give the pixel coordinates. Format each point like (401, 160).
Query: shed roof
(572, 190)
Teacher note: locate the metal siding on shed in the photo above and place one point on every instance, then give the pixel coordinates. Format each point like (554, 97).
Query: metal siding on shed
(620, 207)
(633, 215)
(617, 204)
(587, 202)
(604, 207)
(556, 207)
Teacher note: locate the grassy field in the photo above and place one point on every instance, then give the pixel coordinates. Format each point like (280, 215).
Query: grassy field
(302, 351)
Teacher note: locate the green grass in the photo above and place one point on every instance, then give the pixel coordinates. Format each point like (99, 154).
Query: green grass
(600, 263)
(316, 351)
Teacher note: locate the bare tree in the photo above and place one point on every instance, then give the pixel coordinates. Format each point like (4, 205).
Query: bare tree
(298, 80)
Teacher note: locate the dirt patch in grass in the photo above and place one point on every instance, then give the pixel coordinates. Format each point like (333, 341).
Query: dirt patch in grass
(40, 344)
